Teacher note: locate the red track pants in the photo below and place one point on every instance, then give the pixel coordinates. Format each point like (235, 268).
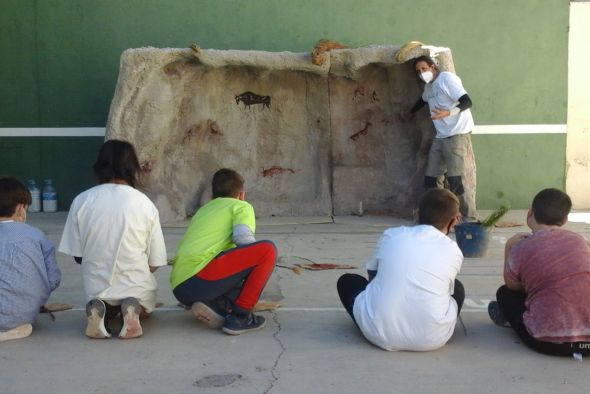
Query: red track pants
(255, 260)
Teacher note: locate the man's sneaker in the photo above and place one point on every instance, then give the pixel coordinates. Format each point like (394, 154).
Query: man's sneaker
(95, 311)
(240, 324)
(19, 332)
(209, 314)
(130, 309)
(496, 314)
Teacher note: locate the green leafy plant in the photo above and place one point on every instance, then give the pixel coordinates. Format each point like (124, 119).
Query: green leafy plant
(495, 216)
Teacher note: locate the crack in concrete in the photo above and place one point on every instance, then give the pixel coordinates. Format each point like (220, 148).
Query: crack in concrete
(275, 335)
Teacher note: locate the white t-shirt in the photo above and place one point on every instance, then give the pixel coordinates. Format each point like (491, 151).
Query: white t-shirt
(116, 230)
(408, 305)
(443, 93)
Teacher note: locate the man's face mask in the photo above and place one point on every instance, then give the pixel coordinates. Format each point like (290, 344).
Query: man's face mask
(426, 76)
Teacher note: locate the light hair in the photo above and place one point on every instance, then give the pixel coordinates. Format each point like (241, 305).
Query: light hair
(437, 208)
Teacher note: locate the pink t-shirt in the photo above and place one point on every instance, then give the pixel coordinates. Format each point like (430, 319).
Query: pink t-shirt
(553, 267)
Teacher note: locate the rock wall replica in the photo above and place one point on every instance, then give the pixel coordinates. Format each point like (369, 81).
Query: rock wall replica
(309, 139)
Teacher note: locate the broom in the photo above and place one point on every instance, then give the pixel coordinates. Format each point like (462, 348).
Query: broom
(495, 216)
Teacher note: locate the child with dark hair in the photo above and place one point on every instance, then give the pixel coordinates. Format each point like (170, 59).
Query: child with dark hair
(219, 269)
(114, 231)
(28, 269)
(547, 281)
(412, 299)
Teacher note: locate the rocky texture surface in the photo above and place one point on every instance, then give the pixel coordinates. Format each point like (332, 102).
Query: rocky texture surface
(309, 140)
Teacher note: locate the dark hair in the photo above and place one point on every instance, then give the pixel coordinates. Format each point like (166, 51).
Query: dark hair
(117, 160)
(227, 183)
(427, 59)
(12, 193)
(551, 207)
(437, 207)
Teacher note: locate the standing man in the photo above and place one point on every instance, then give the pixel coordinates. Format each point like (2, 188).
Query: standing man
(449, 106)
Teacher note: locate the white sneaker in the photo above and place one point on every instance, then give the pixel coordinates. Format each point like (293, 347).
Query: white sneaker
(130, 308)
(205, 313)
(95, 311)
(19, 332)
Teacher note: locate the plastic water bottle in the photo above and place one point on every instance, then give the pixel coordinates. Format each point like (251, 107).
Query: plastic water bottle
(49, 196)
(35, 196)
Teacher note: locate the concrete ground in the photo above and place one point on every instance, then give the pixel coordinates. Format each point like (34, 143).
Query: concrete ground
(310, 344)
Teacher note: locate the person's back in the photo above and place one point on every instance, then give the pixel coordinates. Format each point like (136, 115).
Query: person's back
(412, 299)
(210, 233)
(408, 305)
(115, 225)
(114, 231)
(554, 268)
(547, 281)
(219, 269)
(28, 268)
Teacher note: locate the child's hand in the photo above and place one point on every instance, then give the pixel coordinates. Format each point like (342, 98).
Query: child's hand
(516, 239)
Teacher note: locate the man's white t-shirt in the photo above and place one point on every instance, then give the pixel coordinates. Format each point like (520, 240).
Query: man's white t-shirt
(116, 230)
(408, 305)
(444, 93)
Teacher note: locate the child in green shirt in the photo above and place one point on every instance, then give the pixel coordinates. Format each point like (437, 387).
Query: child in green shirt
(219, 269)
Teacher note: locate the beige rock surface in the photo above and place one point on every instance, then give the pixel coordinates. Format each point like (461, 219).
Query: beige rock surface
(309, 140)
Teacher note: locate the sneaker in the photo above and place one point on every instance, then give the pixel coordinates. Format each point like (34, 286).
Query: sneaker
(95, 311)
(19, 332)
(130, 309)
(496, 314)
(209, 314)
(241, 324)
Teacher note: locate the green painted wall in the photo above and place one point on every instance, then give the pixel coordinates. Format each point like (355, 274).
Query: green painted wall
(60, 57)
(59, 60)
(513, 168)
(67, 161)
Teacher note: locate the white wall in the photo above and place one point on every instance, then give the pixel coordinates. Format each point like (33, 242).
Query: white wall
(578, 118)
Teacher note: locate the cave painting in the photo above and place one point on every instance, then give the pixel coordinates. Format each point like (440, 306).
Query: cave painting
(310, 137)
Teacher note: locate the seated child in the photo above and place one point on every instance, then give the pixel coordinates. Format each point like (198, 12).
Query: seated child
(28, 269)
(219, 269)
(547, 281)
(412, 299)
(114, 230)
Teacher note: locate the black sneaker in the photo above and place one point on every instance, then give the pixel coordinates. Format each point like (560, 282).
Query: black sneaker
(496, 314)
(209, 314)
(241, 324)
